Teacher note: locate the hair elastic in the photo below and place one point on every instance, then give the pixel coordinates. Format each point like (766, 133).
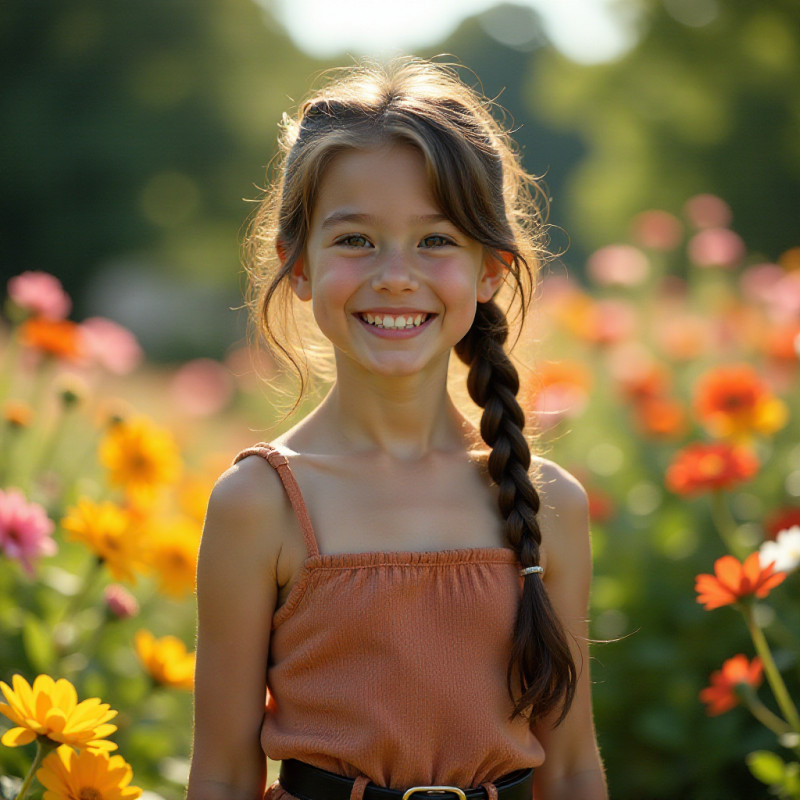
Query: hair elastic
(531, 571)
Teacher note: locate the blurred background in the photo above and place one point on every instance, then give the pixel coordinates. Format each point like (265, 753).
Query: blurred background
(135, 133)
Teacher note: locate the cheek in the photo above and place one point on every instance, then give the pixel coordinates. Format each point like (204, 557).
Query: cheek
(331, 293)
(457, 287)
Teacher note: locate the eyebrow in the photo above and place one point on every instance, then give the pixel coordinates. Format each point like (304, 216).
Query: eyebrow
(352, 216)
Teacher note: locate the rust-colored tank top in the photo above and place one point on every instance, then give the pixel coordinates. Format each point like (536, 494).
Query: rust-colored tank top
(393, 665)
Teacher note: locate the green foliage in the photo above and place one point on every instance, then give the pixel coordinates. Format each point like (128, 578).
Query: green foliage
(137, 131)
(691, 108)
(783, 779)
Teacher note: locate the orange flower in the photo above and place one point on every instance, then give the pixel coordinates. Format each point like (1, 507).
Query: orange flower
(57, 337)
(778, 341)
(661, 416)
(733, 580)
(722, 696)
(644, 381)
(734, 401)
(702, 467)
(17, 414)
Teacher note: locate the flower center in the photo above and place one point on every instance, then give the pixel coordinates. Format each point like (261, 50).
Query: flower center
(89, 793)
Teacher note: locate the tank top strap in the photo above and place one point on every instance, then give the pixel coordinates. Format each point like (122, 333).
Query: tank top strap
(280, 464)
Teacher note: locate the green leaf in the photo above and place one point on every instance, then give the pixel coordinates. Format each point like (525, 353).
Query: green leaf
(766, 767)
(37, 640)
(791, 780)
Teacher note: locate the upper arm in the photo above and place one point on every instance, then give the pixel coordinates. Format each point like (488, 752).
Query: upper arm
(236, 597)
(571, 747)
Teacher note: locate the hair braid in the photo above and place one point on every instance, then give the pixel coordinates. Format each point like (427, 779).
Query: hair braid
(541, 662)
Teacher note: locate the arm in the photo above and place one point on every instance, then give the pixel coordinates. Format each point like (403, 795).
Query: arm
(236, 597)
(572, 769)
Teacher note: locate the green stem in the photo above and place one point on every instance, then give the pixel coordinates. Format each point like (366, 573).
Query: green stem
(769, 720)
(44, 747)
(787, 707)
(725, 524)
(8, 367)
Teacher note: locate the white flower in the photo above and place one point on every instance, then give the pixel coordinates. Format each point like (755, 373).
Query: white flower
(784, 551)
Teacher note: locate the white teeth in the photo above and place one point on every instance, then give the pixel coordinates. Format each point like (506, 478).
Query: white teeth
(394, 323)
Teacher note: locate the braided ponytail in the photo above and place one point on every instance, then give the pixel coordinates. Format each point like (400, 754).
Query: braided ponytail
(541, 673)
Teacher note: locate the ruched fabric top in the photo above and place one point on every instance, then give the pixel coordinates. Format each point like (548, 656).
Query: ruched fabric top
(393, 665)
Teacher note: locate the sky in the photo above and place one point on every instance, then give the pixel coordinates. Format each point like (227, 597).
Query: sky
(588, 31)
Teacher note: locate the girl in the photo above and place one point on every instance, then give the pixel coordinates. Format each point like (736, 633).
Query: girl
(415, 616)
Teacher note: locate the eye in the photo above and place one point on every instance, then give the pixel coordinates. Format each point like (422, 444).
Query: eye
(354, 240)
(437, 240)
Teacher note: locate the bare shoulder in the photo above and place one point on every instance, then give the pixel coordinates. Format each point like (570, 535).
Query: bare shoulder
(249, 487)
(559, 490)
(563, 515)
(245, 503)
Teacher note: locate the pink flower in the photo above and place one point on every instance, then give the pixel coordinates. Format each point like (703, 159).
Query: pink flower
(708, 211)
(618, 264)
(785, 301)
(202, 387)
(760, 281)
(614, 321)
(120, 602)
(25, 529)
(40, 293)
(658, 230)
(716, 247)
(111, 345)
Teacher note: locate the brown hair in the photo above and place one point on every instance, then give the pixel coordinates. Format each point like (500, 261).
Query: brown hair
(479, 184)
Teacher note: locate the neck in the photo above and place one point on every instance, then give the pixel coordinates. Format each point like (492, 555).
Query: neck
(405, 417)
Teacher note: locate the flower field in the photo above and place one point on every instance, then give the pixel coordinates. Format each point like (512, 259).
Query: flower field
(667, 382)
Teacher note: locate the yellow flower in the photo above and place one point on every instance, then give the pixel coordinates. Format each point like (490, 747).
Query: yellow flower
(67, 775)
(194, 490)
(106, 529)
(172, 552)
(166, 660)
(51, 709)
(140, 457)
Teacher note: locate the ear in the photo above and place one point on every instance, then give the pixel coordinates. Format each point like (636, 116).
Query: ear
(298, 276)
(492, 274)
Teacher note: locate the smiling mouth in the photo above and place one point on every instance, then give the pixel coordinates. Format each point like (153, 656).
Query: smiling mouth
(395, 322)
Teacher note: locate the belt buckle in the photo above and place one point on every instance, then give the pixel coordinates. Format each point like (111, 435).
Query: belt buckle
(434, 790)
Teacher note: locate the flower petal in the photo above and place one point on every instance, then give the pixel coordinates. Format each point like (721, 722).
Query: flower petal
(15, 737)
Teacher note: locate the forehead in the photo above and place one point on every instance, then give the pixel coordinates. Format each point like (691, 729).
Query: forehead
(390, 177)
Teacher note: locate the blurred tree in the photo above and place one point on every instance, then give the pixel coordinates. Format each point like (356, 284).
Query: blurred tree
(707, 101)
(503, 47)
(135, 130)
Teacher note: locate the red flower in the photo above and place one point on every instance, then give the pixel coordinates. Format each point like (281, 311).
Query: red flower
(733, 580)
(721, 696)
(702, 467)
(780, 520)
(601, 505)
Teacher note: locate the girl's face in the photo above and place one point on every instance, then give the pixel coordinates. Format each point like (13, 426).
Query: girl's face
(393, 283)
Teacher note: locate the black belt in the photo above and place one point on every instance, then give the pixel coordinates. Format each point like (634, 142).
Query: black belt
(311, 783)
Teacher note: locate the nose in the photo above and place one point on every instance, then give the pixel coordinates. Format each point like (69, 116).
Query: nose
(394, 273)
